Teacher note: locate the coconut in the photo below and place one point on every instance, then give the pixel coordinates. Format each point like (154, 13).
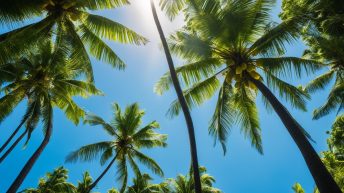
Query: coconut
(254, 75)
(238, 70)
(252, 85)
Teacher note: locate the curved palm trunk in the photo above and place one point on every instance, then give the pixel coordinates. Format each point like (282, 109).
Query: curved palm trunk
(322, 177)
(94, 184)
(13, 134)
(3, 157)
(183, 104)
(29, 164)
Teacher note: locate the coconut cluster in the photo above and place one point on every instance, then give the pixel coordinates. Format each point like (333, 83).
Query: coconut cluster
(240, 75)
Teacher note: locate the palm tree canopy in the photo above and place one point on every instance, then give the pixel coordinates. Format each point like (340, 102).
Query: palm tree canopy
(72, 27)
(221, 57)
(142, 184)
(128, 138)
(46, 78)
(185, 183)
(55, 182)
(322, 31)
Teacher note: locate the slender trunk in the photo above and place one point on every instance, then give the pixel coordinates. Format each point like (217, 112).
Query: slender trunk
(3, 157)
(29, 164)
(13, 134)
(322, 177)
(182, 101)
(94, 184)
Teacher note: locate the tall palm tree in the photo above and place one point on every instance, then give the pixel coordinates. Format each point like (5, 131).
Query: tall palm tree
(182, 101)
(75, 27)
(48, 80)
(55, 182)
(142, 184)
(233, 61)
(185, 183)
(124, 148)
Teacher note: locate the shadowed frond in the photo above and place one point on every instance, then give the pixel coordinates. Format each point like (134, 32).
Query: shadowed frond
(89, 152)
(224, 116)
(196, 95)
(248, 118)
(100, 50)
(149, 162)
(189, 74)
(289, 66)
(296, 96)
(320, 82)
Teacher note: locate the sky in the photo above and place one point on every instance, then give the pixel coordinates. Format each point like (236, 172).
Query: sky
(241, 170)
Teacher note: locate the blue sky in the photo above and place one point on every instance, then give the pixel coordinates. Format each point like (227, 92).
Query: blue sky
(241, 170)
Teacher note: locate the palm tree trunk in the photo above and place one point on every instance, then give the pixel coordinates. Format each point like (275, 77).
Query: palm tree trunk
(182, 101)
(94, 184)
(29, 164)
(322, 177)
(3, 157)
(13, 134)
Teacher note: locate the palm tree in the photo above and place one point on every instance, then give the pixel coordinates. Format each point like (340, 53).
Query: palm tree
(233, 61)
(185, 184)
(124, 148)
(182, 101)
(73, 25)
(329, 50)
(85, 183)
(55, 182)
(142, 184)
(48, 80)
(322, 30)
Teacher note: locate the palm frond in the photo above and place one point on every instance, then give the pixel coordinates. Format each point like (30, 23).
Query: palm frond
(100, 50)
(320, 82)
(172, 7)
(94, 120)
(149, 162)
(10, 101)
(145, 131)
(106, 155)
(79, 56)
(89, 152)
(248, 117)
(189, 46)
(289, 66)
(296, 96)
(334, 101)
(223, 117)
(101, 4)
(106, 28)
(274, 39)
(122, 173)
(189, 74)
(196, 95)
